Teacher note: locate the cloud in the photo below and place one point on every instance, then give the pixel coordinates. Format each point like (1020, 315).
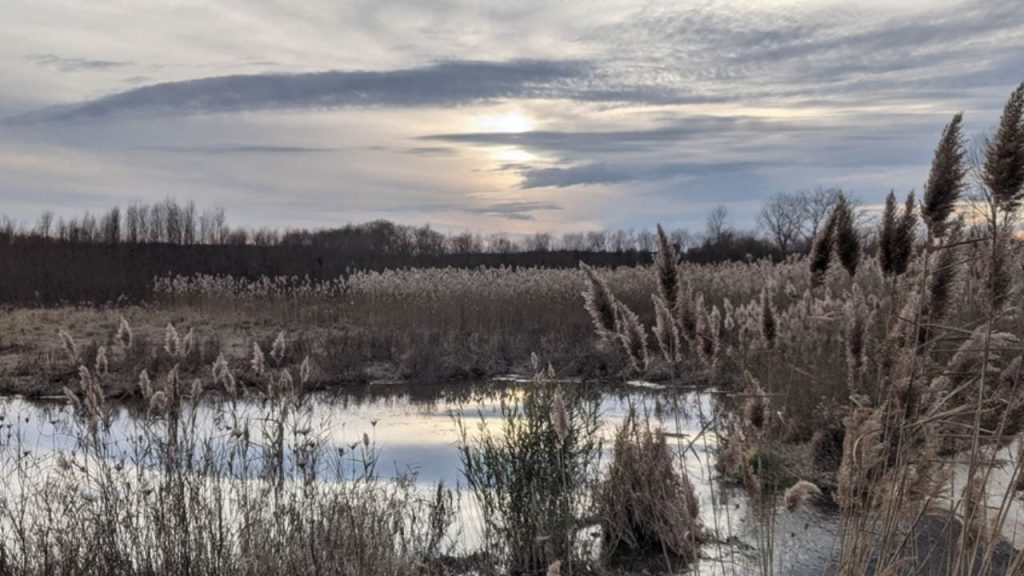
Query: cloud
(612, 173)
(74, 64)
(602, 141)
(443, 84)
(241, 149)
(513, 210)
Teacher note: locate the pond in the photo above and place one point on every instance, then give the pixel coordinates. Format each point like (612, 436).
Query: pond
(414, 433)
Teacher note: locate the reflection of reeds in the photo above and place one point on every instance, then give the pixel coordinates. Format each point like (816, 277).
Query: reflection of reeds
(174, 497)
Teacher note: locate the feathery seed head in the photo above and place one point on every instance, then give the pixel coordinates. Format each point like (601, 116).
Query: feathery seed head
(172, 343)
(821, 250)
(1002, 172)
(258, 362)
(947, 179)
(847, 242)
(305, 371)
(666, 266)
(277, 349)
(769, 327)
(68, 344)
(601, 304)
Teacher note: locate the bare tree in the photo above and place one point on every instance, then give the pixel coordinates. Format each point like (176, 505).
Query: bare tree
(646, 241)
(782, 219)
(817, 207)
(682, 239)
(574, 241)
(597, 241)
(45, 224)
(110, 226)
(539, 242)
(718, 223)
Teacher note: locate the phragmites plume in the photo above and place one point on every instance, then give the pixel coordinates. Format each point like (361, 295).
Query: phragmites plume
(601, 304)
(998, 281)
(821, 251)
(305, 371)
(258, 361)
(222, 375)
(158, 401)
(798, 494)
(686, 313)
(666, 331)
(285, 385)
(943, 279)
(755, 406)
(887, 236)
(90, 402)
(277, 349)
(173, 386)
(896, 236)
(1003, 170)
(666, 266)
(847, 242)
(145, 385)
(68, 344)
(947, 179)
(707, 336)
(560, 417)
(633, 337)
(124, 336)
(769, 326)
(172, 342)
(856, 349)
(186, 344)
(102, 364)
(1018, 482)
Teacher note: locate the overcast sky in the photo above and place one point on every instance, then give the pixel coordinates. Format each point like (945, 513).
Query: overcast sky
(507, 116)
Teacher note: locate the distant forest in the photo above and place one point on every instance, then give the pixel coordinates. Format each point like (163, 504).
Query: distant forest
(116, 255)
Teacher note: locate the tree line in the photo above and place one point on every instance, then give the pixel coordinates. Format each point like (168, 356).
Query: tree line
(116, 254)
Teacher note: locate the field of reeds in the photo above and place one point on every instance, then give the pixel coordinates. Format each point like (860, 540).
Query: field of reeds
(884, 387)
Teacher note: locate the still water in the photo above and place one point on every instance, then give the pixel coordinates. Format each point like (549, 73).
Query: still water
(414, 433)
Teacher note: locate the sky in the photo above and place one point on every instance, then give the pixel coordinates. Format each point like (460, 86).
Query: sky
(511, 116)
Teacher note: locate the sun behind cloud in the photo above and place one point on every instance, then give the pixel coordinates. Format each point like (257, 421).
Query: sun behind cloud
(507, 122)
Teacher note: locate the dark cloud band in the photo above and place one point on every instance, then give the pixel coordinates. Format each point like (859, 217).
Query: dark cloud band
(443, 84)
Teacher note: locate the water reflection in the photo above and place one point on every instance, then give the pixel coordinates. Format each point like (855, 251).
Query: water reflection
(414, 432)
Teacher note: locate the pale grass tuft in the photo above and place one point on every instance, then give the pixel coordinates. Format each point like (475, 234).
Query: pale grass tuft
(560, 417)
(172, 342)
(68, 343)
(799, 494)
(186, 344)
(102, 364)
(277, 348)
(145, 385)
(258, 362)
(666, 332)
(124, 337)
(633, 337)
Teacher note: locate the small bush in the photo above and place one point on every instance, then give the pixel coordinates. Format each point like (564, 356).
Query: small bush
(533, 480)
(646, 504)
